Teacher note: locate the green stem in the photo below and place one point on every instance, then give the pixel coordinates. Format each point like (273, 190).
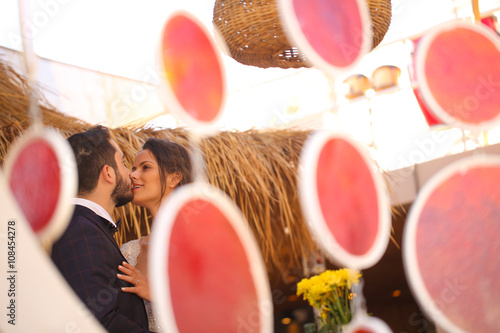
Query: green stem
(318, 306)
(337, 303)
(338, 320)
(347, 303)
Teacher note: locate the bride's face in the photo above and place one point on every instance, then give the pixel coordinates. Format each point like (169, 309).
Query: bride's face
(146, 180)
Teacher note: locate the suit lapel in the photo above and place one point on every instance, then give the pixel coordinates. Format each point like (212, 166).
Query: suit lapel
(103, 226)
(101, 223)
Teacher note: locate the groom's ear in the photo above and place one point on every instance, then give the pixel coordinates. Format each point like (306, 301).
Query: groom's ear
(108, 174)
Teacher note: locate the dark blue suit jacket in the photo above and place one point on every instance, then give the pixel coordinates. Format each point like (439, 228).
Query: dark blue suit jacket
(88, 257)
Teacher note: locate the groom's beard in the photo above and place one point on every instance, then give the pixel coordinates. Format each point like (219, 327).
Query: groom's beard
(122, 194)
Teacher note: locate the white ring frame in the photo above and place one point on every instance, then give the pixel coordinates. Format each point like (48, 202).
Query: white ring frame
(158, 257)
(167, 95)
(427, 95)
(312, 211)
(69, 177)
(295, 34)
(412, 270)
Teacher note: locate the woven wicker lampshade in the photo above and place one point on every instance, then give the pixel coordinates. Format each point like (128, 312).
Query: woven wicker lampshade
(255, 35)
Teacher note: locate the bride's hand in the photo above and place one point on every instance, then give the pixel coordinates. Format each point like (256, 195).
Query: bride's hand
(136, 278)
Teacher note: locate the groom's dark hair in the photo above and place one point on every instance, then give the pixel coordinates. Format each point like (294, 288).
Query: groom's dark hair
(93, 150)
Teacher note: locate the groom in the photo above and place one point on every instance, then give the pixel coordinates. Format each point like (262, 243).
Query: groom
(87, 254)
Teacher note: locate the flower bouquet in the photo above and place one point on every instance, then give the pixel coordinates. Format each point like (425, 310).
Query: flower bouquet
(330, 294)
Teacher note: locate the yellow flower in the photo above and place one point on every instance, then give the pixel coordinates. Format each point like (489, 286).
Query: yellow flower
(318, 289)
(328, 293)
(326, 281)
(331, 277)
(303, 286)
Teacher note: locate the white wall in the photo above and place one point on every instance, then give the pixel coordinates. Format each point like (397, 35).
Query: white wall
(90, 95)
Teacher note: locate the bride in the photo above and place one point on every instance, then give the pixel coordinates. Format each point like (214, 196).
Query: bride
(159, 168)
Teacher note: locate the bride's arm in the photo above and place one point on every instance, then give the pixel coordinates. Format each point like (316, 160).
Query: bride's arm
(133, 276)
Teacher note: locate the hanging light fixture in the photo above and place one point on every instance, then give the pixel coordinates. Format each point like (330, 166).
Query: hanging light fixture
(356, 86)
(385, 77)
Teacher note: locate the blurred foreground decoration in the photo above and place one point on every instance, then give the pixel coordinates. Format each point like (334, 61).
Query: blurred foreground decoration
(34, 288)
(230, 286)
(37, 181)
(457, 231)
(344, 200)
(467, 55)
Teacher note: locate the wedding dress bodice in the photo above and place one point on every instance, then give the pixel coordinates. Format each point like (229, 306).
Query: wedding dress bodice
(131, 251)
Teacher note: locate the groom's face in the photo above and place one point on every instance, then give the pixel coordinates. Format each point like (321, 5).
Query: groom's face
(122, 194)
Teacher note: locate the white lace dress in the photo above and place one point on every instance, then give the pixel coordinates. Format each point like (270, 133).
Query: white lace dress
(130, 251)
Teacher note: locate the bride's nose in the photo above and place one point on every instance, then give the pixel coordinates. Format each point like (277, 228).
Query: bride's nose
(132, 175)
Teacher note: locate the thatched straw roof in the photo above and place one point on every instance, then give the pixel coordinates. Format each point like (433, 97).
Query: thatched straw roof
(257, 169)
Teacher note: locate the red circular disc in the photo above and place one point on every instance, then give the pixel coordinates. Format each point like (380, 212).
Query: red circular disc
(345, 200)
(206, 267)
(41, 172)
(35, 181)
(451, 246)
(457, 67)
(193, 70)
(334, 34)
(430, 118)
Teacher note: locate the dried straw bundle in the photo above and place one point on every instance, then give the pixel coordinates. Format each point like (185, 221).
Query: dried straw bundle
(15, 102)
(257, 169)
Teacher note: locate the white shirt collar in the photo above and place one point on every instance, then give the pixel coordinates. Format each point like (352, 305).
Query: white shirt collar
(95, 207)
